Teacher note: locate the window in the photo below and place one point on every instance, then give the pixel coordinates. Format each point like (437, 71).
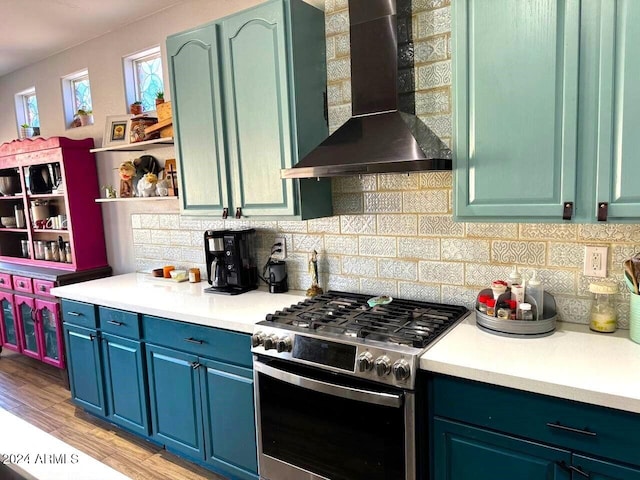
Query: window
(26, 104)
(76, 95)
(143, 74)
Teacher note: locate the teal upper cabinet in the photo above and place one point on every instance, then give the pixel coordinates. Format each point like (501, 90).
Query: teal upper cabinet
(544, 110)
(249, 100)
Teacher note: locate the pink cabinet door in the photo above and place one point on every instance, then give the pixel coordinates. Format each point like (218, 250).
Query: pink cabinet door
(27, 326)
(50, 332)
(9, 333)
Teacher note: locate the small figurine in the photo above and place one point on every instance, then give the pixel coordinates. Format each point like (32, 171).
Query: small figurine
(126, 170)
(109, 191)
(314, 289)
(147, 185)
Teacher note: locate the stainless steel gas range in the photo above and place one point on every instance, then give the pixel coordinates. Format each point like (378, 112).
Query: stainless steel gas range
(335, 385)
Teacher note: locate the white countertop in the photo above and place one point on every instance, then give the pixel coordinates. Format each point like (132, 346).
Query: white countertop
(573, 363)
(139, 292)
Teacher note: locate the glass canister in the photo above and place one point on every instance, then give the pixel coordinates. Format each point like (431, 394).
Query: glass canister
(603, 316)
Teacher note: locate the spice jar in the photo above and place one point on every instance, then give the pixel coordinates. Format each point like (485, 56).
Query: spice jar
(603, 316)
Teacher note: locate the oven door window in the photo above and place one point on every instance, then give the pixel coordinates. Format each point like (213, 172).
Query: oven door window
(331, 436)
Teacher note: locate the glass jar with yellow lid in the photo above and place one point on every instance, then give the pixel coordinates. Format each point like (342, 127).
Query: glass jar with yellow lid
(603, 316)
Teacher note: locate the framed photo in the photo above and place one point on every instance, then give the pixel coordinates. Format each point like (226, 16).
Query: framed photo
(116, 130)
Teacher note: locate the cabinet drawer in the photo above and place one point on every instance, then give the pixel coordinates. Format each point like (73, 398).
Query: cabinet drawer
(577, 426)
(214, 343)
(119, 322)
(79, 313)
(43, 287)
(5, 280)
(22, 284)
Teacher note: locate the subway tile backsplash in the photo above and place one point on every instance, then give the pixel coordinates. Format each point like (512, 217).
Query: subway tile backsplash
(395, 234)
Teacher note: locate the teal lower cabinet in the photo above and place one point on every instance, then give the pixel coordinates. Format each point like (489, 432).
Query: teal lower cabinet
(485, 432)
(84, 366)
(125, 383)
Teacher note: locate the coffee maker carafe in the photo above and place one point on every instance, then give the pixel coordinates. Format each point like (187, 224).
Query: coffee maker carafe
(230, 260)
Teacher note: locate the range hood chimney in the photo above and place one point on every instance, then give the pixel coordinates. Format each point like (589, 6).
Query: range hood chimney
(383, 135)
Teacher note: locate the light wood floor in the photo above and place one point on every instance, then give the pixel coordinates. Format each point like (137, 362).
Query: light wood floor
(35, 392)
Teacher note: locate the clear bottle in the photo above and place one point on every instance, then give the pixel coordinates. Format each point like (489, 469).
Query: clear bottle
(603, 316)
(514, 277)
(535, 289)
(525, 312)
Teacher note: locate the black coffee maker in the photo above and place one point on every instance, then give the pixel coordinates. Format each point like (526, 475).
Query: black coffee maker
(231, 261)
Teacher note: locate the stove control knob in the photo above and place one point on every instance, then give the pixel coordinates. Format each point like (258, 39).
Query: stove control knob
(283, 344)
(383, 366)
(401, 370)
(270, 342)
(365, 362)
(257, 339)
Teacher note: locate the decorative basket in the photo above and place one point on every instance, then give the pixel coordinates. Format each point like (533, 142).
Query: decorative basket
(519, 328)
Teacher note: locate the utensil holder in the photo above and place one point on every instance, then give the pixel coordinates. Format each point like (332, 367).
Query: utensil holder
(634, 318)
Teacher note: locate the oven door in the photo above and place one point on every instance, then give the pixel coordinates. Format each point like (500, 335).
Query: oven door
(317, 425)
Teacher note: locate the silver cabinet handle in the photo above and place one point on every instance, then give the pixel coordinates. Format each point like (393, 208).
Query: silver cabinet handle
(357, 394)
(113, 322)
(580, 431)
(74, 314)
(194, 340)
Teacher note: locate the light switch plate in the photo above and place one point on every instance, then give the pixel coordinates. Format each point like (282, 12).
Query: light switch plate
(595, 261)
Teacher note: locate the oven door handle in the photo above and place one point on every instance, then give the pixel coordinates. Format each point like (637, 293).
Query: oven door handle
(350, 393)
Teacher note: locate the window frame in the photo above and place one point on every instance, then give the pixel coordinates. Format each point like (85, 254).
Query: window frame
(69, 95)
(132, 81)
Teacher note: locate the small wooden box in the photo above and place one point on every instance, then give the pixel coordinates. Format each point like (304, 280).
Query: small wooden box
(163, 110)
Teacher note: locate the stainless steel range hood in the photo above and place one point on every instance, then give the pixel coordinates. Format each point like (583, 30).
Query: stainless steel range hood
(383, 135)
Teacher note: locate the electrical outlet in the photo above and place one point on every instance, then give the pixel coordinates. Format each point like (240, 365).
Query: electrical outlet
(279, 243)
(595, 261)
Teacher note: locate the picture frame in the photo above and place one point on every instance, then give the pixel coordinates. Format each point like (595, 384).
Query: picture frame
(117, 130)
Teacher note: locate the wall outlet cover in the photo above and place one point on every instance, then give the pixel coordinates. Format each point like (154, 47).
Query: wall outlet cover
(595, 261)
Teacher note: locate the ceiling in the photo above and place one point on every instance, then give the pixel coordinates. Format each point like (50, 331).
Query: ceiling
(33, 30)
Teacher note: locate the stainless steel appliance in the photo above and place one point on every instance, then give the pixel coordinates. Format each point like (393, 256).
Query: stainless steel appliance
(231, 261)
(335, 386)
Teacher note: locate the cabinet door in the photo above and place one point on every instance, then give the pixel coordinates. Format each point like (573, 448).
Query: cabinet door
(50, 332)
(515, 113)
(125, 383)
(174, 400)
(229, 418)
(84, 366)
(197, 117)
(8, 326)
(28, 326)
(603, 470)
(467, 453)
(618, 168)
(256, 97)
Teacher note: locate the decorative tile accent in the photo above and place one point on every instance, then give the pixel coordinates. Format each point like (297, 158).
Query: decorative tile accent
(209, 224)
(468, 250)
(436, 180)
(338, 115)
(343, 45)
(492, 230)
(337, 22)
(442, 272)
(360, 224)
(432, 101)
(440, 124)
(419, 248)
(341, 283)
(398, 225)
(330, 46)
(398, 181)
(431, 49)
(169, 221)
(136, 221)
(197, 239)
(335, 5)
(548, 231)
(181, 237)
(149, 221)
(341, 244)
(556, 282)
(354, 183)
(160, 237)
(362, 266)
(334, 94)
(439, 226)
(573, 310)
(191, 255)
(610, 232)
(329, 265)
(432, 75)
(377, 246)
(301, 281)
(324, 225)
(522, 253)
(292, 226)
(296, 261)
(383, 202)
(419, 291)
(457, 295)
(338, 69)
(141, 236)
(620, 253)
(190, 223)
(374, 286)
(425, 201)
(419, 5)
(308, 243)
(432, 22)
(346, 203)
(398, 269)
(482, 275)
(566, 254)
